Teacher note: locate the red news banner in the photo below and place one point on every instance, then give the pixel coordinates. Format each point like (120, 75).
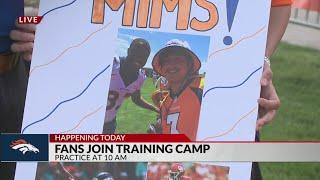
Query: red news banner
(104, 138)
(29, 19)
(173, 148)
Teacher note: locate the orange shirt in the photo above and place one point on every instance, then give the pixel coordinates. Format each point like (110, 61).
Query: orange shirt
(180, 115)
(281, 2)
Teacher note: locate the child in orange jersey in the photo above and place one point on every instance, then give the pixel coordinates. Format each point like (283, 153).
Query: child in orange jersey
(180, 107)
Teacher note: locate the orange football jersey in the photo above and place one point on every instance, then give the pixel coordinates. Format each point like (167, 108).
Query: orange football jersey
(180, 115)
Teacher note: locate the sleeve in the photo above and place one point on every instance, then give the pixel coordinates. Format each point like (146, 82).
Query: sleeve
(275, 3)
(9, 12)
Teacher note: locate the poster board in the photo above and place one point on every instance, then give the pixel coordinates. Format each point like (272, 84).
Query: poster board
(76, 43)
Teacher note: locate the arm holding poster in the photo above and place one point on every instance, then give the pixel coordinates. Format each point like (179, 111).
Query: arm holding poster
(269, 101)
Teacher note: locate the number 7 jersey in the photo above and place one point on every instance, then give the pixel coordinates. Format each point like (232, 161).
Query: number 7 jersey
(180, 115)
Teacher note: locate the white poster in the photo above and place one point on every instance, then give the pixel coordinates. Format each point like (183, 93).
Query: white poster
(205, 57)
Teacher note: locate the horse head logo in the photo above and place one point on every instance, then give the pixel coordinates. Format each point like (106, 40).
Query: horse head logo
(23, 146)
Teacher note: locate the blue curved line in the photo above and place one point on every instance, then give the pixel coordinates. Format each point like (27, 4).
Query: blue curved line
(58, 8)
(230, 87)
(65, 101)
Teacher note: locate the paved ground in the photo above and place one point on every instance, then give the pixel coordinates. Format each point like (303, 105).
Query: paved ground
(302, 36)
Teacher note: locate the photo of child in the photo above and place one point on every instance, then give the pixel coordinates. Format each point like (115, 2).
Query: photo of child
(166, 69)
(180, 67)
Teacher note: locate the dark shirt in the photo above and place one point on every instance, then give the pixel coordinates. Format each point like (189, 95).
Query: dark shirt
(13, 86)
(9, 11)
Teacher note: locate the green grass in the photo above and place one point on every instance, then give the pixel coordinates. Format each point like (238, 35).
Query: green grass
(297, 79)
(290, 171)
(130, 112)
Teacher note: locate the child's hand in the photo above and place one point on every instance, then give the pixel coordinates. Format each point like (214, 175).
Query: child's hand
(269, 101)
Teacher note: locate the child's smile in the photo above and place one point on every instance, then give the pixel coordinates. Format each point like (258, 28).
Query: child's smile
(175, 68)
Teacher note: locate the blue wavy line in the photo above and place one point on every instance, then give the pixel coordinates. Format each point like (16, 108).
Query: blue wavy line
(58, 8)
(65, 101)
(230, 87)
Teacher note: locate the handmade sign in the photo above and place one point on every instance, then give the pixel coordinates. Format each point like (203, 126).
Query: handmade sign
(188, 67)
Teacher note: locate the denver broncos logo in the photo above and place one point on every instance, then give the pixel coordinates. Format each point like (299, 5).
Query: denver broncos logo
(23, 146)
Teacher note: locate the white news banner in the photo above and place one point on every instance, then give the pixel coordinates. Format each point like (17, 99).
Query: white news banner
(185, 152)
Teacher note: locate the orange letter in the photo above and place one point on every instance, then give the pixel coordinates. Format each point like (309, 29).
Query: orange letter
(143, 13)
(97, 12)
(183, 12)
(99, 8)
(213, 17)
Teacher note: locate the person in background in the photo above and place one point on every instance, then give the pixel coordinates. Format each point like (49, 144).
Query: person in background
(14, 67)
(13, 77)
(269, 101)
